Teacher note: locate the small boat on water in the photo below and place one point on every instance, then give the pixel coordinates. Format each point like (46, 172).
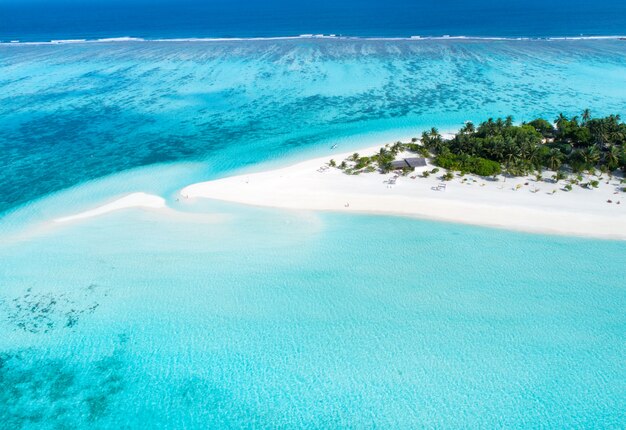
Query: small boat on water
(334, 146)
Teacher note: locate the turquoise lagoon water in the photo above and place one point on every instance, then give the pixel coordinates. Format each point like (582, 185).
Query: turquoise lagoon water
(221, 316)
(71, 113)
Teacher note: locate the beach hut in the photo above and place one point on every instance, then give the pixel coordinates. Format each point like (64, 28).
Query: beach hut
(399, 164)
(409, 163)
(415, 162)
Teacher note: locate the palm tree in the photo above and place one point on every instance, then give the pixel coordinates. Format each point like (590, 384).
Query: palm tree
(586, 116)
(560, 121)
(468, 128)
(532, 154)
(498, 150)
(512, 152)
(396, 147)
(601, 131)
(615, 136)
(590, 157)
(433, 141)
(555, 159)
(559, 175)
(611, 158)
(499, 124)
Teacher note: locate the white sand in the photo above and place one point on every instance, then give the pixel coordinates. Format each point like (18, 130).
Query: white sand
(135, 200)
(581, 212)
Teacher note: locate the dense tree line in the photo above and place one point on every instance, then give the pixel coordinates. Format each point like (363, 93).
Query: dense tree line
(585, 144)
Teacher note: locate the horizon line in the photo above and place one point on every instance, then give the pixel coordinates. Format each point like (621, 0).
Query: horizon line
(308, 36)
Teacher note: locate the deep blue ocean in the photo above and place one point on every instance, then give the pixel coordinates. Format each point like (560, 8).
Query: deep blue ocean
(40, 20)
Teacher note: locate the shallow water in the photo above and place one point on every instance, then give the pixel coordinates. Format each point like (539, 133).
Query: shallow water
(216, 315)
(245, 317)
(71, 113)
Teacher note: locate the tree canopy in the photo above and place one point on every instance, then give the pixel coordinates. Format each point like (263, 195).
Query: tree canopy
(588, 144)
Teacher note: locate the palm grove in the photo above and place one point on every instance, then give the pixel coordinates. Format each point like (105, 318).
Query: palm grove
(588, 144)
(578, 145)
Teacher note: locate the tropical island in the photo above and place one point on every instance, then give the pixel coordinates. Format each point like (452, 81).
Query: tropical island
(565, 177)
(496, 146)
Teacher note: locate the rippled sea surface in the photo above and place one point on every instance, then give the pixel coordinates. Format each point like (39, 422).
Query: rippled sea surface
(70, 113)
(236, 317)
(211, 315)
(36, 20)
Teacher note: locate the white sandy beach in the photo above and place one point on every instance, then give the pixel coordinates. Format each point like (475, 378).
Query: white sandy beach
(512, 203)
(134, 200)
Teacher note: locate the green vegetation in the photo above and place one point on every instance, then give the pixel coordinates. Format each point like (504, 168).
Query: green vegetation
(587, 145)
(558, 176)
(381, 160)
(448, 176)
(467, 163)
(496, 146)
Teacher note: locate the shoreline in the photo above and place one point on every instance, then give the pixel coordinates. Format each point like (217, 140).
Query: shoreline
(513, 203)
(132, 200)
